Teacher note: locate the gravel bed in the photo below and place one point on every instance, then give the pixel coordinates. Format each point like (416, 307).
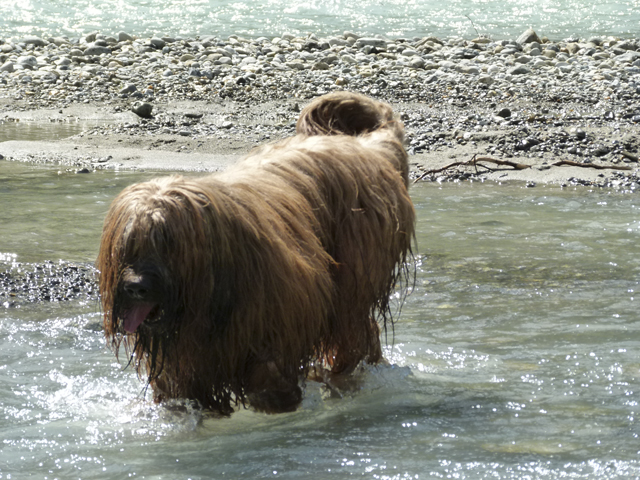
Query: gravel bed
(530, 97)
(24, 283)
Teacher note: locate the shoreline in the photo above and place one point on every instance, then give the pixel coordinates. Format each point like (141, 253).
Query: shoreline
(526, 101)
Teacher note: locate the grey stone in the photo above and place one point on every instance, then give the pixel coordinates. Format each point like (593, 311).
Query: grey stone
(467, 53)
(346, 58)
(130, 88)
(59, 41)
(96, 50)
(337, 41)
(295, 65)
(579, 133)
(320, 66)
(468, 69)
(519, 70)
(28, 61)
(416, 62)
(142, 109)
(523, 59)
(409, 52)
(528, 36)
(33, 40)
(124, 37)
(626, 45)
(372, 42)
(628, 57)
(157, 43)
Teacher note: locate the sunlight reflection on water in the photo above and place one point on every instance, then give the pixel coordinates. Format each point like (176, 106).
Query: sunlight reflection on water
(515, 356)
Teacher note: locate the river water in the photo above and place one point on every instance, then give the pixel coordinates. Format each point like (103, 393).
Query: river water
(516, 355)
(556, 19)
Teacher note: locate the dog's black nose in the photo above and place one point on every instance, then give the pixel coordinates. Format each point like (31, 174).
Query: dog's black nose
(137, 286)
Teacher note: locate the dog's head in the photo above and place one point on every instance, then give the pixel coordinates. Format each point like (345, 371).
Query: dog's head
(155, 266)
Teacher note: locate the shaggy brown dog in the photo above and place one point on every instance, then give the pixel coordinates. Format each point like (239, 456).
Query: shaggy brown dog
(233, 286)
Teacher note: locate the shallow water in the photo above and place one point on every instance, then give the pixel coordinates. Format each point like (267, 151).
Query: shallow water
(43, 130)
(515, 357)
(557, 19)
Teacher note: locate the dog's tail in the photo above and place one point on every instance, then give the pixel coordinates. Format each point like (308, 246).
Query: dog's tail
(372, 122)
(347, 113)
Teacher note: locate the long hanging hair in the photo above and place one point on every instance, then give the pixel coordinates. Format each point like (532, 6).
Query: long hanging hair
(287, 259)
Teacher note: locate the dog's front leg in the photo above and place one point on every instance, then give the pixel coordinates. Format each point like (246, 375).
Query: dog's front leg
(269, 391)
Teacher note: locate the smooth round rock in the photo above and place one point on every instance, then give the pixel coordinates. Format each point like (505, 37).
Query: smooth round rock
(142, 109)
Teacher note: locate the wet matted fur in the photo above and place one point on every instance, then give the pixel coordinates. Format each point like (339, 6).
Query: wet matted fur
(231, 287)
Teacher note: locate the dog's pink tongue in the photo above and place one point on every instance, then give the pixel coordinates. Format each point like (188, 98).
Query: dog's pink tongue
(135, 316)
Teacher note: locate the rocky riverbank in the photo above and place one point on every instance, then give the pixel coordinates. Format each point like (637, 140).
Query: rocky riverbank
(560, 107)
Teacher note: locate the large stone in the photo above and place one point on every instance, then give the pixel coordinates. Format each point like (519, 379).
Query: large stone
(33, 40)
(158, 43)
(129, 88)
(372, 42)
(124, 37)
(96, 50)
(520, 70)
(468, 69)
(28, 61)
(142, 109)
(320, 66)
(628, 57)
(416, 62)
(528, 36)
(59, 41)
(523, 59)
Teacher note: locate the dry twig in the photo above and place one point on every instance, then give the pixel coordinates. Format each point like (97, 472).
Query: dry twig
(516, 166)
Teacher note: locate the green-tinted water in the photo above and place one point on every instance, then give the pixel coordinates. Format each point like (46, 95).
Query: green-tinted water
(43, 130)
(515, 357)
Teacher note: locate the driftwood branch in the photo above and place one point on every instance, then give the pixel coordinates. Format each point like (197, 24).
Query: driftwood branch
(516, 166)
(590, 165)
